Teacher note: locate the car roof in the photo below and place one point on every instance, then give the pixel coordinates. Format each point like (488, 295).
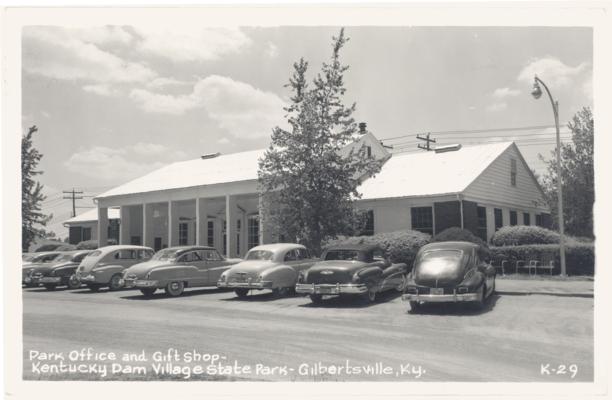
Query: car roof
(278, 247)
(108, 249)
(366, 247)
(184, 248)
(455, 245)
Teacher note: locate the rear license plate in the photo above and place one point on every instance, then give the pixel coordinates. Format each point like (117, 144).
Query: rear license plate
(325, 290)
(436, 291)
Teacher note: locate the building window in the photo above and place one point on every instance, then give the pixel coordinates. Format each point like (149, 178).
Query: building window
(238, 227)
(225, 238)
(86, 232)
(210, 233)
(183, 233)
(538, 220)
(513, 218)
(499, 218)
(135, 240)
(422, 219)
(157, 244)
(252, 231)
(482, 222)
(369, 151)
(513, 171)
(526, 219)
(367, 223)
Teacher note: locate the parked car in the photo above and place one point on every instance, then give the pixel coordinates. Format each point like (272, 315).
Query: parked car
(352, 269)
(271, 266)
(62, 271)
(176, 268)
(449, 272)
(29, 267)
(104, 266)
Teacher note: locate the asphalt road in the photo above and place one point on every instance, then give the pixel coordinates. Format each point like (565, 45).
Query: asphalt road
(516, 338)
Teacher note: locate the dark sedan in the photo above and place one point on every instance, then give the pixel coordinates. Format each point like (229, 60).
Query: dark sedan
(352, 269)
(450, 272)
(62, 271)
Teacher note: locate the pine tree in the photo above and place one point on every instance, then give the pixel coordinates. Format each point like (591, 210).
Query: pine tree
(32, 218)
(307, 182)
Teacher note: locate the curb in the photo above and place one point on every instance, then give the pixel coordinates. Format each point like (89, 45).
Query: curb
(559, 294)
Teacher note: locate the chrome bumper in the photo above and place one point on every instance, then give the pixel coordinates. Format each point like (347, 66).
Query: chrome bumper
(344, 288)
(245, 285)
(139, 283)
(50, 279)
(86, 278)
(440, 298)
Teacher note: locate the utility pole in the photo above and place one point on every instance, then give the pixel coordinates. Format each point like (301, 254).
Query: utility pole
(72, 195)
(426, 139)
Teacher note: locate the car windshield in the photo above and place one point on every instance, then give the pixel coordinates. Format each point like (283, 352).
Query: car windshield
(439, 262)
(63, 257)
(94, 253)
(41, 258)
(166, 254)
(259, 255)
(347, 255)
(27, 257)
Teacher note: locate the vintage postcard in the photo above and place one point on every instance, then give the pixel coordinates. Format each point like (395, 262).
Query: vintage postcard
(290, 200)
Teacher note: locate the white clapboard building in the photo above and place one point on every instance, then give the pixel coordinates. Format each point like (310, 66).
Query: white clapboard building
(213, 200)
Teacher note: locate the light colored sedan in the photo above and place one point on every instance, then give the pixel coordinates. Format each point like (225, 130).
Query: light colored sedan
(175, 268)
(271, 266)
(103, 267)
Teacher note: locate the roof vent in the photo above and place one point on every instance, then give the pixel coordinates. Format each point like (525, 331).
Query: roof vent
(210, 155)
(450, 147)
(362, 128)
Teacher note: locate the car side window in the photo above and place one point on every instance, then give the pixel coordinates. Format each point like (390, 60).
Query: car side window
(126, 255)
(211, 255)
(49, 257)
(377, 255)
(79, 258)
(291, 256)
(192, 256)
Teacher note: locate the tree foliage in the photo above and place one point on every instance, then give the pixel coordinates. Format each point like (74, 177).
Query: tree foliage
(306, 180)
(32, 218)
(577, 172)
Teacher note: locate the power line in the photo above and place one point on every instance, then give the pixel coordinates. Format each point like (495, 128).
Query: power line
(520, 128)
(427, 140)
(73, 195)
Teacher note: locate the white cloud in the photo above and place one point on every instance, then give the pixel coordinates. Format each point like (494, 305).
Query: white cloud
(471, 108)
(101, 90)
(223, 140)
(271, 50)
(119, 164)
(45, 114)
(162, 82)
(239, 108)
(496, 107)
(55, 53)
(190, 43)
(552, 71)
(502, 93)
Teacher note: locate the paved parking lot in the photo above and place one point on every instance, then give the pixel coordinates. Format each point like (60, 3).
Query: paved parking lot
(517, 338)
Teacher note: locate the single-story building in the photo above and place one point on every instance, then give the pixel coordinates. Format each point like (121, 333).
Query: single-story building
(85, 226)
(213, 200)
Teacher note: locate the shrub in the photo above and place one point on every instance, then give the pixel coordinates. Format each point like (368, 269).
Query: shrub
(579, 257)
(399, 246)
(523, 234)
(87, 245)
(47, 247)
(463, 235)
(66, 247)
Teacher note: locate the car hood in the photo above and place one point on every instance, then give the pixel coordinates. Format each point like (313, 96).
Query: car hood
(448, 277)
(251, 267)
(338, 265)
(334, 271)
(141, 269)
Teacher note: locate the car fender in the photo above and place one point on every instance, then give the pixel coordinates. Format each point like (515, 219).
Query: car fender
(474, 279)
(370, 274)
(173, 273)
(104, 274)
(280, 275)
(65, 270)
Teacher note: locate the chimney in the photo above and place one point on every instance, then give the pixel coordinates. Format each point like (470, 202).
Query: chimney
(362, 128)
(210, 155)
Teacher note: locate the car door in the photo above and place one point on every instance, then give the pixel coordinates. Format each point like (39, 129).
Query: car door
(215, 265)
(198, 274)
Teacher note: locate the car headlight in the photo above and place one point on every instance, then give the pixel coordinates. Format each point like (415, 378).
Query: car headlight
(223, 278)
(301, 277)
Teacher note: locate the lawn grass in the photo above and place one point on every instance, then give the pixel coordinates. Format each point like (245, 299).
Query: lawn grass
(544, 277)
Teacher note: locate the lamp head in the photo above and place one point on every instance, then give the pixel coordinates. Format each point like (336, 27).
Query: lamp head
(536, 92)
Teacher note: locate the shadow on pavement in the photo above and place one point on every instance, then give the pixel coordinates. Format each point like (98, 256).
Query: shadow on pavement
(352, 301)
(458, 309)
(259, 296)
(161, 294)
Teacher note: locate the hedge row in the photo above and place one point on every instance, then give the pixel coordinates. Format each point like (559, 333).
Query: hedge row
(523, 234)
(579, 257)
(400, 246)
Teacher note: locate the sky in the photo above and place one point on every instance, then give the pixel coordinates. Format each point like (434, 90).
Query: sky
(115, 102)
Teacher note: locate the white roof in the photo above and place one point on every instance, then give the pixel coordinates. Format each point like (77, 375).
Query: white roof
(92, 216)
(199, 172)
(430, 173)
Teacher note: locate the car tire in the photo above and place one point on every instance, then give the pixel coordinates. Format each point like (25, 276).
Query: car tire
(175, 289)
(402, 285)
(316, 298)
(73, 282)
(50, 287)
(480, 303)
(241, 292)
(148, 292)
(114, 283)
(370, 295)
(93, 288)
(283, 292)
(415, 306)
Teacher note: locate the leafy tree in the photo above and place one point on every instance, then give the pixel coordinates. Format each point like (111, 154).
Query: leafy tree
(308, 180)
(32, 218)
(577, 174)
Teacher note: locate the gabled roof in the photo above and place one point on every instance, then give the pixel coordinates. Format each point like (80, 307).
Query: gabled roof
(92, 216)
(227, 168)
(430, 173)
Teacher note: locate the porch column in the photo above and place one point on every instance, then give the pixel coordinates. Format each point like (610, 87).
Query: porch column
(201, 222)
(102, 226)
(147, 225)
(230, 230)
(124, 226)
(172, 224)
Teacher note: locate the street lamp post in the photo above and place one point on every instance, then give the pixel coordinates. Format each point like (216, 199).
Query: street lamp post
(536, 93)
